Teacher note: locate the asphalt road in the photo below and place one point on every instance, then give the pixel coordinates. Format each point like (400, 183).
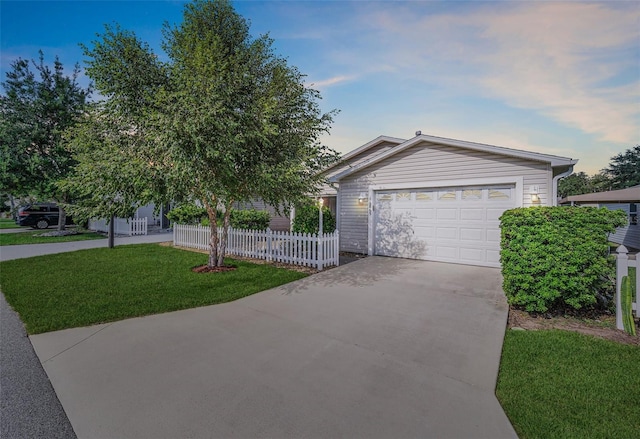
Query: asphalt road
(29, 407)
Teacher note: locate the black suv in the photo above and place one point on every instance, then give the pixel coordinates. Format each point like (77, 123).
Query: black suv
(40, 216)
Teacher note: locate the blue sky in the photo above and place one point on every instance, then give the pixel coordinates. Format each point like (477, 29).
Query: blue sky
(553, 77)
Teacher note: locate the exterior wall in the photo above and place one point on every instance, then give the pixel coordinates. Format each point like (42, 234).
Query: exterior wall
(353, 161)
(278, 222)
(428, 162)
(628, 236)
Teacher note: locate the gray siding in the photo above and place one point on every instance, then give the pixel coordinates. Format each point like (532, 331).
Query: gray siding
(427, 162)
(353, 161)
(628, 236)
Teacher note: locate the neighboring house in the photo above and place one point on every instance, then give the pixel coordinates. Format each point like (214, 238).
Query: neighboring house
(627, 200)
(329, 192)
(438, 199)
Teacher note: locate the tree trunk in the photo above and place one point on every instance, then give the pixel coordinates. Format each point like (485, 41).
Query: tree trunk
(14, 212)
(111, 231)
(62, 219)
(225, 233)
(212, 213)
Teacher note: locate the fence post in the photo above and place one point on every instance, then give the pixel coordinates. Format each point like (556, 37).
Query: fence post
(622, 264)
(320, 250)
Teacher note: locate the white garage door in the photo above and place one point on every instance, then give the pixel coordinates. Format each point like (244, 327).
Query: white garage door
(457, 224)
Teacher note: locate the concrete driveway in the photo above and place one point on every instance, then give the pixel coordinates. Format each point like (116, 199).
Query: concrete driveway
(379, 348)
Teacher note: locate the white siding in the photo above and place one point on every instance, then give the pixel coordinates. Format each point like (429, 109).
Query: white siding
(427, 162)
(628, 236)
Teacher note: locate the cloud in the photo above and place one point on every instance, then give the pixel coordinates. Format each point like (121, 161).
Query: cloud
(329, 82)
(574, 63)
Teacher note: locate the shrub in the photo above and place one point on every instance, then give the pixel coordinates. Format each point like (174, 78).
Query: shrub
(557, 257)
(307, 219)
(251, 219)
(187, 214)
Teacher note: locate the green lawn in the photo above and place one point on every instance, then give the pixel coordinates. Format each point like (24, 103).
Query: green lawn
(35, 238)
(559, 384)
(101, 285)
(8, 223)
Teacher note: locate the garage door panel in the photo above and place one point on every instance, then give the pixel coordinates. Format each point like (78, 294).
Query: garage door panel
(493, 235)
(493, 214)
(447, 214)
(450, 225)
(467, 234)
(448, 252)
(476, 214)
(446, 233)
(493, 257)
(472, 255)
(424, 213)
(425, 231)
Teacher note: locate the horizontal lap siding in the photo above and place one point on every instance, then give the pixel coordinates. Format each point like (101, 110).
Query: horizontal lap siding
(629, 235)
(327, 189)
(430, 162)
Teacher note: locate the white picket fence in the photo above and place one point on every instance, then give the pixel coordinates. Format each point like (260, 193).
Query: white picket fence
(623, 263)
(291, 248)
(121, 226)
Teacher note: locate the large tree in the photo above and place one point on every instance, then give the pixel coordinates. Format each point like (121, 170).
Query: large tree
(624, 168)
(581, 183)
(223, 120)
(36, 108)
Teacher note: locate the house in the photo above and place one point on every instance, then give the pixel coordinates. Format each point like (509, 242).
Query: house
(627, 200)
(435, 198)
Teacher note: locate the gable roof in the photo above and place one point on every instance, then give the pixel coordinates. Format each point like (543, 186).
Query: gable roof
(628, 195)
(364, 148)
(553, 160)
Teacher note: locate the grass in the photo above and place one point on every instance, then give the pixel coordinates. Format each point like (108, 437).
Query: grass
(8, 223)
(102, 285)
(559, 384)
(36, 238)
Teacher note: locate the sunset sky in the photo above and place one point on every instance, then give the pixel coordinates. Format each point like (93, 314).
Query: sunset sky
(559, 78)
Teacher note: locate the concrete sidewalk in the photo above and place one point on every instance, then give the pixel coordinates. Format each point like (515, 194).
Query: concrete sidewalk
(26, 251)
(379, 348)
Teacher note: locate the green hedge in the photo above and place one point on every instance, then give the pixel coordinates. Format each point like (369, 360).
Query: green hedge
(307, 219)
(187, 214)
(249, 219)
(557, 257)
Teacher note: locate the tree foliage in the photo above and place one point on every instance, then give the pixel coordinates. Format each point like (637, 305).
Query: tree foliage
(624, 168)
(36, 108)
(224, 120)
(581, 183)
(623, 172)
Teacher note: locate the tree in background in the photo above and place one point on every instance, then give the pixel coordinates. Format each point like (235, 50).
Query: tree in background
(624, 169)
(224, 120)
(623, 172)
(35, 110)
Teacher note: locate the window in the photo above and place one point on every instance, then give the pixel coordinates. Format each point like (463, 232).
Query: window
(403, 196)
(472, 194)
(633, 214)
(500, 194)
(424, 196)
(447, 195)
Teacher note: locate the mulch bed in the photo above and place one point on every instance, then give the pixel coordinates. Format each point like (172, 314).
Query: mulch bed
(602, 327)
(207, 269)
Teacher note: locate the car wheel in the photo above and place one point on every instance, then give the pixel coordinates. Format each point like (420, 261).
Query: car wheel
(42, 224)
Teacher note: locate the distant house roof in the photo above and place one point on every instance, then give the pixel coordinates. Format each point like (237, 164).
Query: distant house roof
(628, 195)
(554, 161)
